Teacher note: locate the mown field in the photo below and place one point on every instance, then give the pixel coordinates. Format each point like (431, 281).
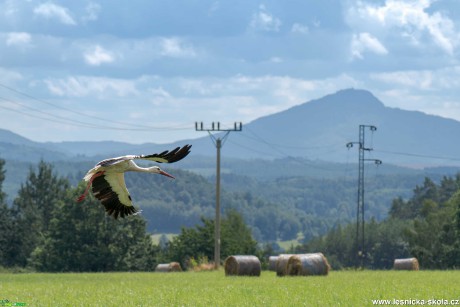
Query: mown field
(342, 288)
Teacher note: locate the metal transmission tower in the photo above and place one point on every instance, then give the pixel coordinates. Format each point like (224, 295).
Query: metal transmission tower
(218, 142)
(360, 252)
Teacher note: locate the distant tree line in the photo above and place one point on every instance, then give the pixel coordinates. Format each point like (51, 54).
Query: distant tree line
(44, 229)
(276, 205)
(426, 226)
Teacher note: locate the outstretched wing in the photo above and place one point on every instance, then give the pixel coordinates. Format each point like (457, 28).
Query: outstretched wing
(111, 190)
(168, 156)
(112, 161)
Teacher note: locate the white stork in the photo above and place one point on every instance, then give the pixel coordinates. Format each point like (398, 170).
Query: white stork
(108, 182)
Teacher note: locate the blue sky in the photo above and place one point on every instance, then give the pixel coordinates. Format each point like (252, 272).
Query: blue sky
(145, 71)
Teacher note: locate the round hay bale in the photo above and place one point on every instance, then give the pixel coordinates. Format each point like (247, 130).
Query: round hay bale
(409, 264)
(175, 267)
(307, 264)
(168, 267)
(281, 264)
(242, 266)
(272, 263)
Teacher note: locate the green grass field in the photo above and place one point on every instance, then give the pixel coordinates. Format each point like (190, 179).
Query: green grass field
(342, 288)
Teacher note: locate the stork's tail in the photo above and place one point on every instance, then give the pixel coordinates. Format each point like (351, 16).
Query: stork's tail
(90, 182)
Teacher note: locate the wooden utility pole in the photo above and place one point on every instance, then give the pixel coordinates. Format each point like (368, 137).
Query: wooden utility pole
(218, 142)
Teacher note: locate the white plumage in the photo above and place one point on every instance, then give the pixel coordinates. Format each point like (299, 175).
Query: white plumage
(108, 182)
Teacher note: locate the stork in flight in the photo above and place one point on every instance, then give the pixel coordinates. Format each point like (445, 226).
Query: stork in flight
(108, 182)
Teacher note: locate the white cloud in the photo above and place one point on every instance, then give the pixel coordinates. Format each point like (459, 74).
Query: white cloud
(264, 21)
(159, 95)
(51, 10)
(418, 79)
(98, 55)
(92, 12)
(441, 80)
(299, 28)
(100, 87)
(9, 8)
(18, 39)
(213, 8)
(174, 47)
(160, 92)
(268, 92)
(276, 59)
(9, 76)
(179, 101)
(363, 42)
(411, 18)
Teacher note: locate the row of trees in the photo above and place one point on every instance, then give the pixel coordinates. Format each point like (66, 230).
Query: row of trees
(426, 226)
(277, 205)
(46, 230)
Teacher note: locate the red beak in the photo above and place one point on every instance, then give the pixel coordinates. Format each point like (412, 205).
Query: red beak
(166, 174)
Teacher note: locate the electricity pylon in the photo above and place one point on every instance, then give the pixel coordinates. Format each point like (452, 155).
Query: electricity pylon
(360, 248)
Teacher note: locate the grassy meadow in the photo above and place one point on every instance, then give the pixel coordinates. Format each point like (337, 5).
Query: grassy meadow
(342, 288)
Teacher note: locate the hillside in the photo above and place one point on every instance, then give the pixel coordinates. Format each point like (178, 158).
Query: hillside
(315, 130)
(319, 129)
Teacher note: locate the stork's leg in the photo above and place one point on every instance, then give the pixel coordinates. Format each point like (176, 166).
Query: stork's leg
(90, 182)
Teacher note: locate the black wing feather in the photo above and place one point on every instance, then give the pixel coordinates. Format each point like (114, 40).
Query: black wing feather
(109, 199)
(166, 156)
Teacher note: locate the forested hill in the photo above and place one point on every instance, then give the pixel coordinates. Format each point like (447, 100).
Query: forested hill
(315, 130)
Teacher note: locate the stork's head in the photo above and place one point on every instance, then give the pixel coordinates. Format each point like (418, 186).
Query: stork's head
(157, 170)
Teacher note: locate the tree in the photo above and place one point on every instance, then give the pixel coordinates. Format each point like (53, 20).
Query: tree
(198, 242)
(433, 235)
(2, 178)
(289, 228)
(194, 243)
(81, 237)
(236, 237)
(413, 207)
(6, 225)
(33, 206)
(388, 244)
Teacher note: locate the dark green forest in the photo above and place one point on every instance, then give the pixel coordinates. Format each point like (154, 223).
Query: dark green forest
(44, 229)
(279, 200)
(426, 226)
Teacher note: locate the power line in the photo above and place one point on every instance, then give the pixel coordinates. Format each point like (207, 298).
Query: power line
(57, 106)
(130, 126)
(40, 117)
(417, 155)
(254, 150)
(71, 121)
(282, 153)
(64, 120)
(271, 144)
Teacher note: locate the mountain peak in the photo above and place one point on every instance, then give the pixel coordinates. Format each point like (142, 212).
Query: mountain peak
(351, 97)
